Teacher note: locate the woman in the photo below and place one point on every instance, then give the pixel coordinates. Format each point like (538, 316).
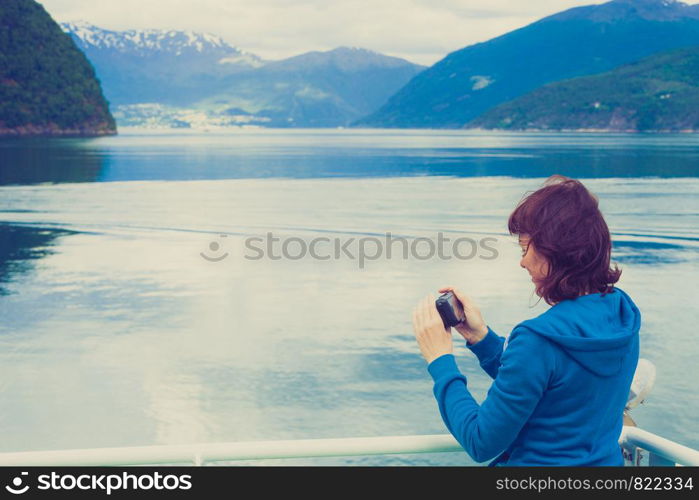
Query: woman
(561, 380)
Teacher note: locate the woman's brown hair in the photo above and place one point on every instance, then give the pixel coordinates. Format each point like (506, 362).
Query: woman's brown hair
(563, 221)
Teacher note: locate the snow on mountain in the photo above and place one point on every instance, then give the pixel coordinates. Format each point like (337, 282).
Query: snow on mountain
(155, 42)
(185, 78)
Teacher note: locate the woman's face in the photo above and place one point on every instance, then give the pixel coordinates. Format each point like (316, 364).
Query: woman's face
(535, 264)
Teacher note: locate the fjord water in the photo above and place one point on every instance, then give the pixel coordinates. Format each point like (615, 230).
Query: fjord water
(133, 313)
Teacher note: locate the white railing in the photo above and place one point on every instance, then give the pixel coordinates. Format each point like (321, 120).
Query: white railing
(666, 452)
(661, 451)
(199, 454)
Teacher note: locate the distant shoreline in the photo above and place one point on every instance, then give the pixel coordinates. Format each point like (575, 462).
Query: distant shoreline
(53, 131)
(590, 130)
(34, 131)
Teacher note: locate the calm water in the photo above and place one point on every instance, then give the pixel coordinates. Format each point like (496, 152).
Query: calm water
(131, 315)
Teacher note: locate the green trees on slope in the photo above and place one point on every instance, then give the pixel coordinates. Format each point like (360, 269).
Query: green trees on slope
(47, 85)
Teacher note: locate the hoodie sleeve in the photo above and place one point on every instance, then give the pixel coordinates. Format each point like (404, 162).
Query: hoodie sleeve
(488, 352)
(488, 429)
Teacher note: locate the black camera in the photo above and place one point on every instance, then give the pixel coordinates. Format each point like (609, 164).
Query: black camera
(450, 309)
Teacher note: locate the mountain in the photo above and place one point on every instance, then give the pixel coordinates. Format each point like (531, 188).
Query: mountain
(47, 86)
(658, 93)
(315, 89)
(181, 79)
(168, 67)
(577, 42)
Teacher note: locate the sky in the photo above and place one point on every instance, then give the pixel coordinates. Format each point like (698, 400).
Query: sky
(421, 31)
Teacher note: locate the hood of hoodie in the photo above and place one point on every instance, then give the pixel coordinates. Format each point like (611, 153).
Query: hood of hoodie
(595, 331)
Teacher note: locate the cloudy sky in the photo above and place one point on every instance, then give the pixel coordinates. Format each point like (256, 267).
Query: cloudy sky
(422, 31)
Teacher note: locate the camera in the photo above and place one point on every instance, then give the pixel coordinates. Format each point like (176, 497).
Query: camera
(450, 309)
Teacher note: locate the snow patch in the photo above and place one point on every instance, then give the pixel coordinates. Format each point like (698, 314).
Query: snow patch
(175, 42)
(480, 82)
(242, 58)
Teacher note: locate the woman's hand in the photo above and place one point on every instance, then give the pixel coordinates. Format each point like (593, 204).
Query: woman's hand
(434, 340)
(473, 329)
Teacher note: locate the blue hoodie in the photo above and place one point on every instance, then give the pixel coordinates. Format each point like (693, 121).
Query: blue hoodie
(561, 383)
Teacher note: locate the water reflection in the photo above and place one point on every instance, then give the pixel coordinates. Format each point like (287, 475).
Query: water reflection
(20, 246)
(48, 160)
(310, 162)
(328, 153)
(652, 253)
